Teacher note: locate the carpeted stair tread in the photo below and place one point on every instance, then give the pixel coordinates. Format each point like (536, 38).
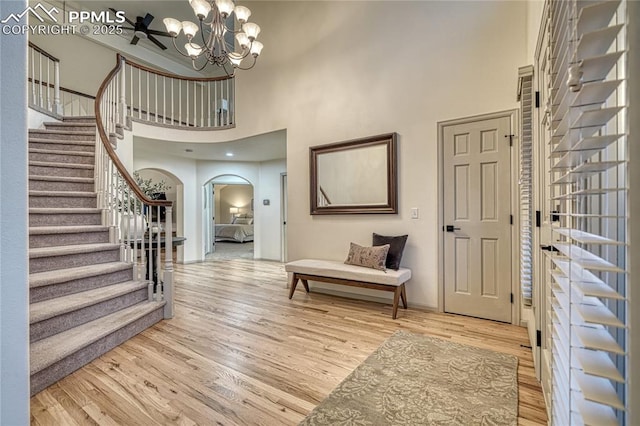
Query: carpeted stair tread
(48, 351)
(68, 123)
(41, 279)
(75, 118)
(53, 210)
(62, 194)
(61, 165)
(41, 311)
(91, 134)
(62, 141)
(70, 179)
(46, 230)
(61, 152)
(36, 253)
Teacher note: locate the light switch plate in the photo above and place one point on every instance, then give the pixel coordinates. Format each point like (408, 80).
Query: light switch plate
(415, 213)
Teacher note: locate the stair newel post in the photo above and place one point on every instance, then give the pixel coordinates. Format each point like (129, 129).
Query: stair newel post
(158, 279)
(136, 233)
(123, 229)
(149, 269)
(57, 106)
(168, 263)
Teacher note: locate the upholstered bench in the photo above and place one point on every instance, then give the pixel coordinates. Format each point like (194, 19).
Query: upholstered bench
(336, 272)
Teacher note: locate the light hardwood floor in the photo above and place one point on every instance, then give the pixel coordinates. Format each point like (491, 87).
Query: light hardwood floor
(240, 352)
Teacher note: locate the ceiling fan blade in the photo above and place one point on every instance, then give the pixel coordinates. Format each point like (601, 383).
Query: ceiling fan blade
(157, 42)
(128, 28)
(127, 20)
(159, 33)
(147, 19)
(134, 40)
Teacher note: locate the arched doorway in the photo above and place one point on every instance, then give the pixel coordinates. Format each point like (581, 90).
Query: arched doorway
(175, 193)
(229, 218)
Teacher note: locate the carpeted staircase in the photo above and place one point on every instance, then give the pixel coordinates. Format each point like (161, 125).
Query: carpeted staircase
(83, 299)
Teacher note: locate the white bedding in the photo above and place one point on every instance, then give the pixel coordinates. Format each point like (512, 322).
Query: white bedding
(234, 232)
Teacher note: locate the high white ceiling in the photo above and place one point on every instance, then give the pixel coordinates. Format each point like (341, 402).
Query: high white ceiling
(264, 147)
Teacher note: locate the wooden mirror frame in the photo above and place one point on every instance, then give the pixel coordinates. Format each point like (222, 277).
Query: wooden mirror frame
(391, 205)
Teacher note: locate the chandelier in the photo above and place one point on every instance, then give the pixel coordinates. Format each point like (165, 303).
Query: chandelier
(216, 41)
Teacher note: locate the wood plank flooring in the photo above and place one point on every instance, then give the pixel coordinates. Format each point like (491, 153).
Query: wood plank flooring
(239, 352)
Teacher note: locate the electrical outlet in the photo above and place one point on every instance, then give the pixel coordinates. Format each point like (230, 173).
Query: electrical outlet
(415, 213)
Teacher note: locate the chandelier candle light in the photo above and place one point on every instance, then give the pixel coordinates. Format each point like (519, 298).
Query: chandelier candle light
(215, 48)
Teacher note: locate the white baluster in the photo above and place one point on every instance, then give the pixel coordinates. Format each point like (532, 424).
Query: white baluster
(187, 103)
(155, 98)
(57, 108)
(202, 104)
(123, 91)
(172, 82)
(164, 100)
(179, 102)
(40, 97)
(209, 104)
(216, 117)
(168, 263)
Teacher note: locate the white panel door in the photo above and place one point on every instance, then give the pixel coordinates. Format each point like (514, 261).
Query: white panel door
(477, 211)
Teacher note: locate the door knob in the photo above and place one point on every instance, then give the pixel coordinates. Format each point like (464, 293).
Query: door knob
(451, 228)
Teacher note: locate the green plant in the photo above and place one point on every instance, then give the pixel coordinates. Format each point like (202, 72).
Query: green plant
(150, 188)
(153, 190)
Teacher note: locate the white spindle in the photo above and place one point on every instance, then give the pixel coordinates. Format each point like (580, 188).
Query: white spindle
(171, 83)
(209, 104)
(187, 104)
(201, 104)
(179, 102)
(216, 117)
(168, 263)
(155, 98)
(41, 100)
(56, 88)
(139, 93)
(164, 100)
(147, 105)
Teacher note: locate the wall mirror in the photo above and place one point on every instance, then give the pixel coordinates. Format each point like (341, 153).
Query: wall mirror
(357, 176)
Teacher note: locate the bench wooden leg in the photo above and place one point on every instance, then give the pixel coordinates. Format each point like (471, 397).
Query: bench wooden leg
(293, 284)
(403, 295)
(306, 285)
(396, 299)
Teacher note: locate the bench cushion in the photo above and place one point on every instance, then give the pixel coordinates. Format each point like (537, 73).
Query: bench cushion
(336, 269)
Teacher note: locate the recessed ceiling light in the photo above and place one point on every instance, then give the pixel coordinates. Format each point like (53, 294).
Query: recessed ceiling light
(229, 154)
(188, 150)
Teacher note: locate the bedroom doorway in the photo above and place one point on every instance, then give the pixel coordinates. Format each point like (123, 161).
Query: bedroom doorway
(229, 210)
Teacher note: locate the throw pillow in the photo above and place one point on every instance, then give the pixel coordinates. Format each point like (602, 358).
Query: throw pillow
(396, 247)
(369, 257)
(243, 221)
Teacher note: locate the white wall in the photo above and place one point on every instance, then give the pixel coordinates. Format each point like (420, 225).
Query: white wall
(334, 71)
(270, 215)
(14, 288)
(238, 196)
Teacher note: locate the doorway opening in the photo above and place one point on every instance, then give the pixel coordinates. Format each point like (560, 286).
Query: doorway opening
(229, 209)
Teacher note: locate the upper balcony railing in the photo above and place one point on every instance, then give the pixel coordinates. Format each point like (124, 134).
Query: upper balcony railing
(168, 99)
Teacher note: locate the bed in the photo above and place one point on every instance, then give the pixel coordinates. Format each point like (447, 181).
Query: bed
(241, 230)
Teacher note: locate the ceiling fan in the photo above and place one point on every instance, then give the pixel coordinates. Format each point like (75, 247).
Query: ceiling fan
(141, 29)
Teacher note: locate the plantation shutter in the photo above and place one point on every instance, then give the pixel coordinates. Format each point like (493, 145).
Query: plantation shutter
(588, 303)
(525, 96)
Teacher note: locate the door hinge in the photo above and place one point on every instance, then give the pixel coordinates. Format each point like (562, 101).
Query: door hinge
(510, 139)
(538, 338)
(511, 297)
(537, 218)
(537, 99)
(511, 219)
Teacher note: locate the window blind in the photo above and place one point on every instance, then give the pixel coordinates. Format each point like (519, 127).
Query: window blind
(587, 292)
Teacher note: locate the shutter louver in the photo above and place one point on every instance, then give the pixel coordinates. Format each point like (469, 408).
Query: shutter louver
(525, 96)
(588, 303)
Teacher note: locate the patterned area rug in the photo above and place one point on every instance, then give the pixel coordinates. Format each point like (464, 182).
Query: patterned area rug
(419, 380)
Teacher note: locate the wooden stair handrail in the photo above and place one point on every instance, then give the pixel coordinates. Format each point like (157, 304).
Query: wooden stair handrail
(176, 76)
(43, 52)
(107, 144)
